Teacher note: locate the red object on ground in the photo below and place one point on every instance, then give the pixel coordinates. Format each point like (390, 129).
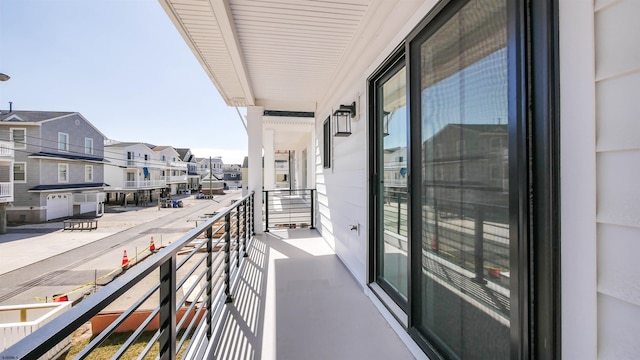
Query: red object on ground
(125, 259)
(60, 298)
(152, 247)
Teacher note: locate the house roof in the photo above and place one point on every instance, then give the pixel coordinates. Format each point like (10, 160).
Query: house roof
(67, 156)
(32, 116)
(129, 143)
(54, 187)
(160, 148)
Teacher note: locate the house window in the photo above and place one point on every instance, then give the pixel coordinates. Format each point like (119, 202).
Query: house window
(88, 173)
(326, 143)
(63, 141)
(146, 157)
(19, 172)
(130, 157)
(164, 158)
(88, 146)
(63, 173)
(19, 138)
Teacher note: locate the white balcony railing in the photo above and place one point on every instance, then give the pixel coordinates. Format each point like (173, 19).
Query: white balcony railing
(175, 165)
(6, 149)
(6, 190)
(19, 321)
(88, 198)
(144, 184)
(176, 179)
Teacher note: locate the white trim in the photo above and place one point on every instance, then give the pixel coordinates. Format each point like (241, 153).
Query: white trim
(579, 308)
(14, 143)
(13, 173)
(89, 180)
(67, 143)
(66, 172)
(85, 146)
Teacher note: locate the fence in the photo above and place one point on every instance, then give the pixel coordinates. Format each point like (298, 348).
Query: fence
(188, 282)
(289, 209)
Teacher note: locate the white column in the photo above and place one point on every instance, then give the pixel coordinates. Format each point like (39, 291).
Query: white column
(254, 130)
(268, 137)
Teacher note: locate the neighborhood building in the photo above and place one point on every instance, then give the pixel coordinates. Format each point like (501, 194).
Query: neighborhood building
(58, 165)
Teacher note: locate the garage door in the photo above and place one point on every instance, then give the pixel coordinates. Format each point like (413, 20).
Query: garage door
(58, 205)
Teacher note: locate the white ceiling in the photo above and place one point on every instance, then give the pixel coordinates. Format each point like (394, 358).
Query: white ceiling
(280, 54)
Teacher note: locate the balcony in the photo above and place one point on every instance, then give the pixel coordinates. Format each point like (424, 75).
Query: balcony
(144, 184)
(6, 150)
(6, 192)
(283, 295)
(176, 179)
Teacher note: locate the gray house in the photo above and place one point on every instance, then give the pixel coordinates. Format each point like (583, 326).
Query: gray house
(58, 169)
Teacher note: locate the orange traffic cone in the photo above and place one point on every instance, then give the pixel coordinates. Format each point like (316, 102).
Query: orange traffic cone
(125, 259)
(152, 247)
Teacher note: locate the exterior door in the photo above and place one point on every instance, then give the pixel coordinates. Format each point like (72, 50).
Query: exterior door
(58, 206)
(390, 185)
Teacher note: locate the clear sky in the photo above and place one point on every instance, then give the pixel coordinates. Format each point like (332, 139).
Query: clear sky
(120, 63)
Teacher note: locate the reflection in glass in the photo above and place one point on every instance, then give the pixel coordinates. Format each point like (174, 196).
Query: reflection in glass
(464, 293)
(392, 121)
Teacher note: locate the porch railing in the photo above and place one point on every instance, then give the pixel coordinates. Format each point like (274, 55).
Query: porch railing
(188, 283)
(289, 208)
(141, 184)
(6, 149)
(6, 189)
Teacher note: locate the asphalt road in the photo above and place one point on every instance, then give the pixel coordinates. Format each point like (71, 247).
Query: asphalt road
(66, 272)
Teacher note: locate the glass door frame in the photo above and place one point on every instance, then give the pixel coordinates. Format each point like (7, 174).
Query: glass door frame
(391, 67)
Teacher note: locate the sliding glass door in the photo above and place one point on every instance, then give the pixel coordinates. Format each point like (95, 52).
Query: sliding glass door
(462, 284)
(391, 195)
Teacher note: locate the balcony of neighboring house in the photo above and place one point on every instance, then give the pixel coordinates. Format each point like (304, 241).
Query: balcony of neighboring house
(144, 184)
(7, 170)
(223, 292)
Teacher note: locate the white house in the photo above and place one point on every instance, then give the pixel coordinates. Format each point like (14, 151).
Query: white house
(547, 267)
(176, 169)
(136, 173)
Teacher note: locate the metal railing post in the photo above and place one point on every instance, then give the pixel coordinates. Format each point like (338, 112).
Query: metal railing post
(253, 219)
(479, 246)
(246, 231)
(313, 209)
(167, 339)
(238, 236)
(399, 211)
(266, 211)
(227, 258)
(209, 301)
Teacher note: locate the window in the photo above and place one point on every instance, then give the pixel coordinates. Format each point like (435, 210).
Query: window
(146, 157)
(88, 146)
(326, 143)
(19, 138)
(130, 157)
(164, 158)
(88, 173)
(19, 172)
(63, 173)
(63, 142)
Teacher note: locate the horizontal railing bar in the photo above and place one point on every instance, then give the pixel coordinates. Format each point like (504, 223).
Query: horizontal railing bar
(187, 331)
(190, 272)
(187, 293)
(136, 334)
(117, 322)
(143, 354)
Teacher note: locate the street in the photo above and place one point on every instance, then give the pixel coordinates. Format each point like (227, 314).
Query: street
(42, 260)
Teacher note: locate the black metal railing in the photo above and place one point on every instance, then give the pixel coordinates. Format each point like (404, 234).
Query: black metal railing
(289, 209)
(191, 279)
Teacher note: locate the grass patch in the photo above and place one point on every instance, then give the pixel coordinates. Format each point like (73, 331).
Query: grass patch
(113, 343)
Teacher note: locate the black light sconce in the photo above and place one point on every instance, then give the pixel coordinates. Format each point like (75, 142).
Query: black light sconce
(342, 119)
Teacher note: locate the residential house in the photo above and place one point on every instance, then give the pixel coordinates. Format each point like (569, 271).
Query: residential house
(232, 176)
(176, 169)
(58, 167)
(558, 76)
(135, 175)
(561, 239)
(6, 181)
(193, 178)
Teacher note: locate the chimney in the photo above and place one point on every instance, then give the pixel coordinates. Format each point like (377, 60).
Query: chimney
(10, 106)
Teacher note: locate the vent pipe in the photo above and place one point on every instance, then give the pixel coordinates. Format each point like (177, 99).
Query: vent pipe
(10, 106)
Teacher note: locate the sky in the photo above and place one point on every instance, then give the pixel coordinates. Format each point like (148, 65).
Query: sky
(123, 65)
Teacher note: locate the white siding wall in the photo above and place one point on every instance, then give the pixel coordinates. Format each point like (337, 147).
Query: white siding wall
(617, 72)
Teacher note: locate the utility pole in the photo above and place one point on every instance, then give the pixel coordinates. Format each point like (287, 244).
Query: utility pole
(210, 179)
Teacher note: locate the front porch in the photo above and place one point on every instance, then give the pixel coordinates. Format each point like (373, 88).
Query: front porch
(295, 299)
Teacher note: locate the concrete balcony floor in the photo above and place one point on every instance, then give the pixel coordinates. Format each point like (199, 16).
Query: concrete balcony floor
(296, 300)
